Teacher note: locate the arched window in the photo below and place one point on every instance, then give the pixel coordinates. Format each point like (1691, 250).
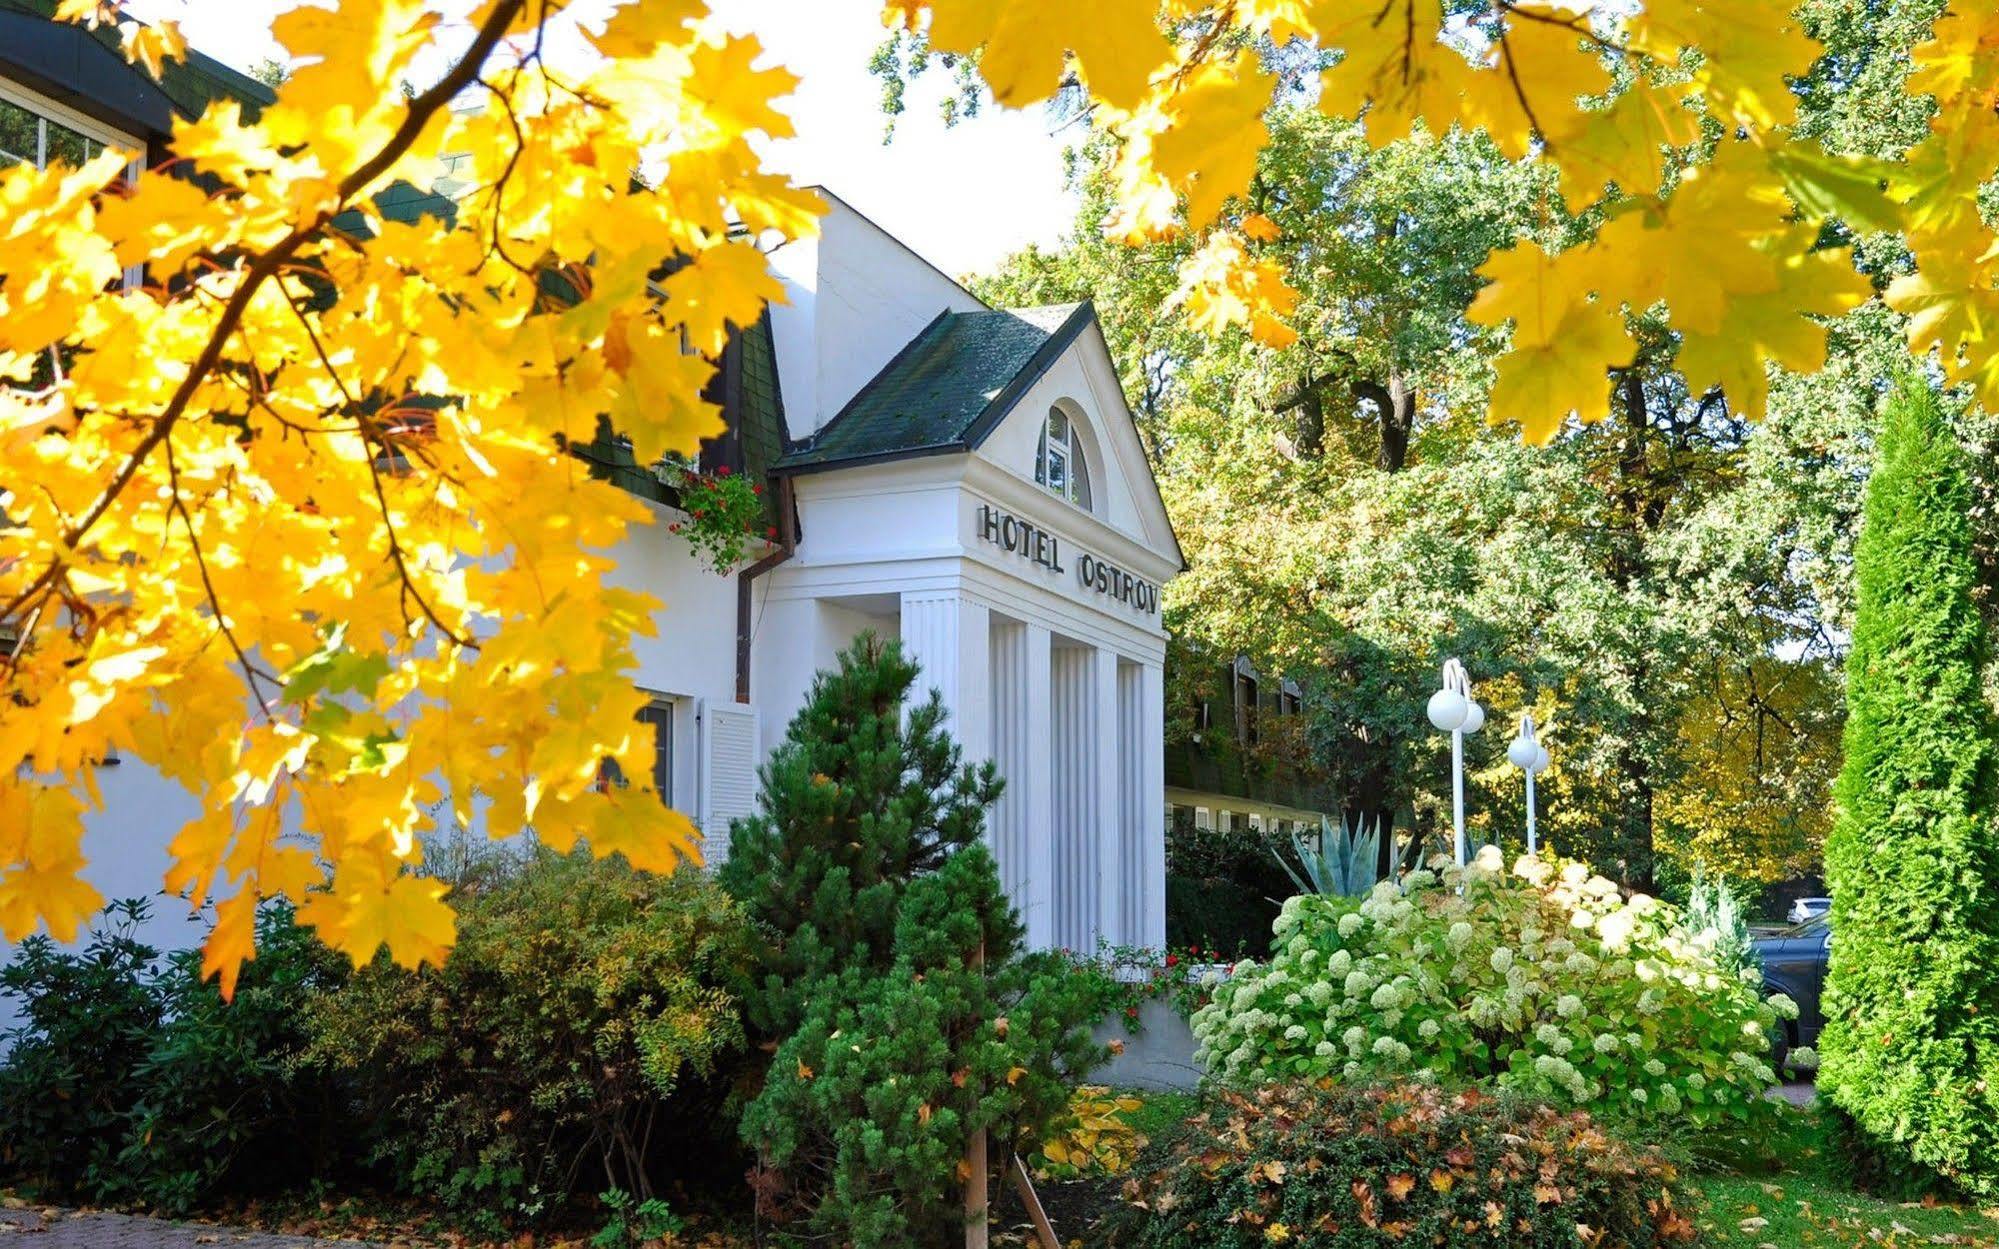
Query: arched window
(1059, 465)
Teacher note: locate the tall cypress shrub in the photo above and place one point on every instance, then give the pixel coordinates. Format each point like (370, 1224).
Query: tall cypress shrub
(901, 1011)
(1911, 1045)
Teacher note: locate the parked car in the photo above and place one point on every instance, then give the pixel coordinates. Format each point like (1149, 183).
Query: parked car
(1794, 962)
(1808, 909)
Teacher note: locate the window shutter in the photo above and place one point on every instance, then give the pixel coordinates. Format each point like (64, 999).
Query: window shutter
(728, 772)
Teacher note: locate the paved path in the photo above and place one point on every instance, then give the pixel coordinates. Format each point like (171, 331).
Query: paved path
(37, 1229)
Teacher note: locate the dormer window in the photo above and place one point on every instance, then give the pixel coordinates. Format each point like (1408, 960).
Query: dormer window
(1059, 465)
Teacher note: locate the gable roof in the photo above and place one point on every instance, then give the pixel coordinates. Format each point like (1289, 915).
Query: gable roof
(83, 69)
(947, 389)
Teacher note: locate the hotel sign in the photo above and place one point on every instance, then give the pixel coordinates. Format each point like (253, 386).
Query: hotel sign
(1038, 546)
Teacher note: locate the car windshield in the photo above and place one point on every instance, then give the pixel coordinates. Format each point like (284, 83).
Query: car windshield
(1812, 927)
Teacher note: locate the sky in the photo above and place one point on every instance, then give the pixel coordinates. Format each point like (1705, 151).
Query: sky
(963, 198)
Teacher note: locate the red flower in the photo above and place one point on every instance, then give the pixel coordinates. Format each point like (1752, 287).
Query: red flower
(722, 471)
(772, 531)
(1172, 960)
(1131, 1012)
(756, 489)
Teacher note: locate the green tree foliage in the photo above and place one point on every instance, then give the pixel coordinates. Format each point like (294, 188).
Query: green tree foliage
(891, 979)
(560, 1050)
(1911, 1047)
(1665, 589)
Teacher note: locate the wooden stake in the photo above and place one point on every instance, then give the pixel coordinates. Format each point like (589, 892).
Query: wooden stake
(978, 1211)
(1023, 1183)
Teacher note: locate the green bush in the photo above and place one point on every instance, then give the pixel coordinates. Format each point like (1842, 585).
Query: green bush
(561, 1050)
(1911, 1044)
(891, 980)
(130, 1080)
(1543, 981)
(70, 1078)
(1355, 1167)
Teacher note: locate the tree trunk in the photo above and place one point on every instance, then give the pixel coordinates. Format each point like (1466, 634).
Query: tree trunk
(1640, 512)
(1395, 405)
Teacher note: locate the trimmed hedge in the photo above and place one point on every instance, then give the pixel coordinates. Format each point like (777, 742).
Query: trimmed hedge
(1911, 1045)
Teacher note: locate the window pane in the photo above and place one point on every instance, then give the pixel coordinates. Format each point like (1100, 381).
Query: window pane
(1058, 472)
(18, 131)
(67, 147)
(1041, 461)
(660, 716)
(1058, 426)
(1081, 472)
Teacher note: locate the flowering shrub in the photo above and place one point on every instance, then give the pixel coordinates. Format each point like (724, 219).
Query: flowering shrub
(725, 513)
(1325, 1168)
(1127, 976)
(1545, 981)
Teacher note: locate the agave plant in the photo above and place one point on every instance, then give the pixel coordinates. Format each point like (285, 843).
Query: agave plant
(1344, 863)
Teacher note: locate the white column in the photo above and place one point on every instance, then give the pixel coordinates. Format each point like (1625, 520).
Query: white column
(951, 638)
(1073, 751)
(1150, 743)
(1008, 697)
(1037, 792)
(1106, 788)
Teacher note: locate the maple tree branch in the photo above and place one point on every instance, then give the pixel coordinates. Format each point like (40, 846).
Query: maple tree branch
(422, 107)
(179, 505)
(396, 555)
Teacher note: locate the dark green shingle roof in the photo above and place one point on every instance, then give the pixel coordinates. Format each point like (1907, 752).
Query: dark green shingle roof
(945, 390)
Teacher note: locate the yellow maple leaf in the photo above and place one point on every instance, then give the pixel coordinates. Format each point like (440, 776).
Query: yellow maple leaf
(1117, 45)
(1209, 148)
(1541, 385)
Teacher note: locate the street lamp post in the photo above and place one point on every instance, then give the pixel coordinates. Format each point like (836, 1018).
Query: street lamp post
(1531, 757)
(1454, 711)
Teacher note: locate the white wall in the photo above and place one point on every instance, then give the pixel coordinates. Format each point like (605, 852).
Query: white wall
(856, 297)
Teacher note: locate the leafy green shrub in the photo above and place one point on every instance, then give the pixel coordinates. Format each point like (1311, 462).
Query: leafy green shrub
(1352, 1166)
(561, 1048)
(1543, 981)
(131, 1080)
(70, 1078)
(1911, 1043)
(891, 979)
(223, 1103)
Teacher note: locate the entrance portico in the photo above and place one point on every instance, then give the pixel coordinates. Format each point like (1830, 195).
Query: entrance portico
(1034, 615)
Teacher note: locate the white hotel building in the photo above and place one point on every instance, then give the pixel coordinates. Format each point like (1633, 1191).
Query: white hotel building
(965, 478)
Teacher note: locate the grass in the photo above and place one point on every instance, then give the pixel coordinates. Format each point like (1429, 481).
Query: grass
(1813, 1201)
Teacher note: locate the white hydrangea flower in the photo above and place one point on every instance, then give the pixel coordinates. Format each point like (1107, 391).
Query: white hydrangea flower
(1355, 1037)
(1339, 963)
(1651, 1002)
(1804, 1058)
(1391, 1019)
(1489, 860)
(1604, 1043)
(1320, 992)
(1350, 924)
(1654, 1068)
(1696, 1081)
(1296, 1032)
(1501, 960)
(1568, 1006)
(1459, 936)
(1563, 1044)
(1669, 1100)
(1325, 1049)
(1358, 983)
(1294, 999)
(1547, 1033)
(1615, 929)
(1640, 1096)
(1785, 1007)
(1384, 1046)
(1421, 878)
(1428, 1029)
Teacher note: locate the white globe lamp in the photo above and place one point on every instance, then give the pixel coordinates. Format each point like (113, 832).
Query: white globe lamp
(1474, 718)
(1448, 709)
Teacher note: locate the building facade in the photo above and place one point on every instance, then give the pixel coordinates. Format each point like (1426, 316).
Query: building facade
(964, 478)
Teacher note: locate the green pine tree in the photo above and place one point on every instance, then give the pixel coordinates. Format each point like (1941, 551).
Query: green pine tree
(903, 1011)
(1911, 1046)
